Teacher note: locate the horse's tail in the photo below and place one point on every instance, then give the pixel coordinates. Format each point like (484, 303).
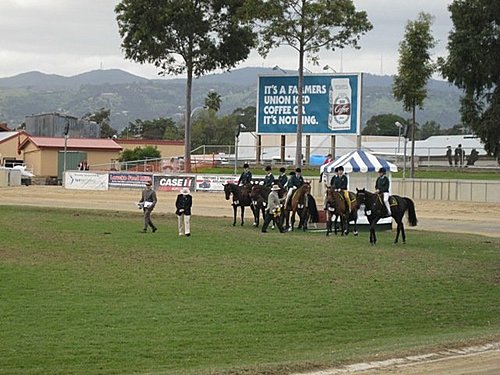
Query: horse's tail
(313, 209)
(412, 215)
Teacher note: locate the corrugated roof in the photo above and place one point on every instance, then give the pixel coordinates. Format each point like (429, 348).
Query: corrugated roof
(149, 142)
(74, 143)
(4, 136)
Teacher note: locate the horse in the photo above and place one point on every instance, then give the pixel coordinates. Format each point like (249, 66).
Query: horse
(337, 205)
(259, 196)
(375, 209)
(304, 204)
(241, 198)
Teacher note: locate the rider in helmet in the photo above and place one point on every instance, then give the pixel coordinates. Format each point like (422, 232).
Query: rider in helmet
(382, 187)
(246, 175)
(294, 182)
(269, 178)
(282, 178)
(339, 183)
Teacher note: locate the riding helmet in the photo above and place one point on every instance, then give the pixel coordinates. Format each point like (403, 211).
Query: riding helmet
(298, 170)
(382, 170)
(282, 169)
(246, 165)
(268, 168)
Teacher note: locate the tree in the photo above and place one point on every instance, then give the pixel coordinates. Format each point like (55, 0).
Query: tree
(161, 128)
(308, 26)
(472, 64)
(429, 129)
(102, 118)
(414, 70)
(383, 125)
(213, 101)
(139, 153)
(191, 36)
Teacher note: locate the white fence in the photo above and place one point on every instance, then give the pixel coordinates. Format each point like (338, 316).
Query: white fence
(427, 189)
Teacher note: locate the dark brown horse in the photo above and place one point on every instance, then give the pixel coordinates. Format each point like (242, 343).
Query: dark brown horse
(375, 209)
(304, 204)
(259, 195)
(336, 206)
(241, 198)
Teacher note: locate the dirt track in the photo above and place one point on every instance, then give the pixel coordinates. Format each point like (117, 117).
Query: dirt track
(465, 217)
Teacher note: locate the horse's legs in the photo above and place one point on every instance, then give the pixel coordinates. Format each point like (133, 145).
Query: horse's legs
(328, 223)
(242, 215)
(235, 209)
(398, 230)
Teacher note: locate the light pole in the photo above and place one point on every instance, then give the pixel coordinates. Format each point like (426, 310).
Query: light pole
(328, 67)
(400, 126)
(277, 67)
(236, 139)
(66, 131)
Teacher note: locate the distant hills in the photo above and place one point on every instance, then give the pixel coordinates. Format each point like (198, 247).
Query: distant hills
(131, 97)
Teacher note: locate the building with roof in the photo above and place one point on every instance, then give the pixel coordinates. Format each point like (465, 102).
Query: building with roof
(10, 154)
(54, 125)
(45, 155)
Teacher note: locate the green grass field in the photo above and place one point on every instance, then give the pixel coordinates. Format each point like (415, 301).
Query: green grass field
(84, 292)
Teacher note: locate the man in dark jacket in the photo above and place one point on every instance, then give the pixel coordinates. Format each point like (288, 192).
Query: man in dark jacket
(183, 205)
(148, 203)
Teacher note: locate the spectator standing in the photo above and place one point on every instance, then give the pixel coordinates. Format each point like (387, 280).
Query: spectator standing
(449, 156)
(183, 205)
(273, 209)
(148, 203)
(459, 156)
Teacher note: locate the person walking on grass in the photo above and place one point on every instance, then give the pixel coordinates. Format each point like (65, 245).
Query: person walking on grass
(148, 203)
(183, 205)
(273, 209)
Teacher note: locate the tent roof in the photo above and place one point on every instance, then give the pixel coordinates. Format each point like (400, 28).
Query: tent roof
(359, 161)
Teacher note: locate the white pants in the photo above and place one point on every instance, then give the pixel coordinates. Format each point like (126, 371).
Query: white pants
(386, 202)
(289, 194)
(184, 224)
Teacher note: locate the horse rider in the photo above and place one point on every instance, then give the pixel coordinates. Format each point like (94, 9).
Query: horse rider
(272, 210)
(282, 178)
(339, 183)
(294, 182)
(382, 187)
(246, 176)
(269, 178)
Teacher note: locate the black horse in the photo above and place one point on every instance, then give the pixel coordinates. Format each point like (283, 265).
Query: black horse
(259, 195)
(336, 205)
(375, 209)
(241, 198)
(304, 204)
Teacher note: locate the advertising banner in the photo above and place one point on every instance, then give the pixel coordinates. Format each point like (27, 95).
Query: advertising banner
(331, 104)
(213, 183)
(174, 182)
(85, 180)
(129, 180)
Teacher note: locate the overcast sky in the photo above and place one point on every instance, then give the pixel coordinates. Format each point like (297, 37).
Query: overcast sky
(69, 37)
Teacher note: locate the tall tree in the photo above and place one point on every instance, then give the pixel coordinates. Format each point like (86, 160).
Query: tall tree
(102, 118)
(473, 64)
(213, 101)
(185, 36)
(414, 70)
(383, 125)
(308, 26)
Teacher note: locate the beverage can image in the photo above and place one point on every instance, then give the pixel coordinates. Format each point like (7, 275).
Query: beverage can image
(340, 98)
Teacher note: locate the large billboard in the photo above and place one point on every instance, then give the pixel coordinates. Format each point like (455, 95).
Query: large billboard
(331, 104)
